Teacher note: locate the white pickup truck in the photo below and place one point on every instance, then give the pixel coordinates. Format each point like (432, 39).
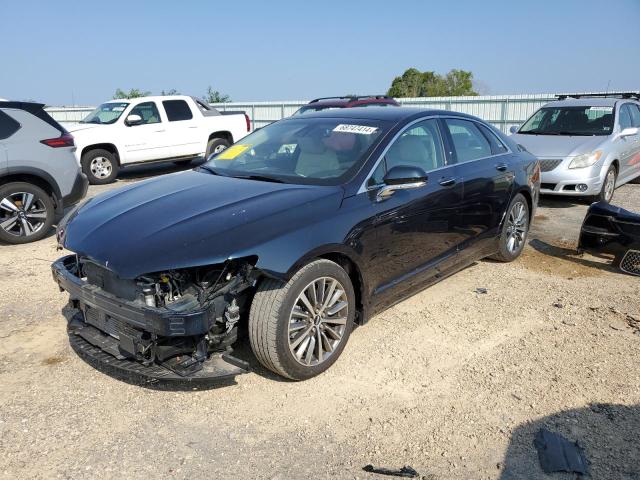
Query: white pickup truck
(178, 128)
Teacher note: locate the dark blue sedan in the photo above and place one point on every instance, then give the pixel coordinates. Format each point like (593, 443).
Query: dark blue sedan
(299, 231)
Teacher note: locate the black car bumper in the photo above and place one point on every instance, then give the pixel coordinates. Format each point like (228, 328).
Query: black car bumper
(123, 330)
(78, 191)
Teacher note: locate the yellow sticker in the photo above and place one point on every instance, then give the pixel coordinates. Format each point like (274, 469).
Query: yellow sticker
(232, 152)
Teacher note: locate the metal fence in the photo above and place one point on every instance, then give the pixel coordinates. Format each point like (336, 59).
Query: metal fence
(503, 111)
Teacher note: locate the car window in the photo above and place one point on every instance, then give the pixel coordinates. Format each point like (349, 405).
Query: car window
(106, 113)
(497, 147)
(8, 126)
(418, 146)
(625, 117)
(177, 110)
(634, 111)
(147, 111)
(468, 141)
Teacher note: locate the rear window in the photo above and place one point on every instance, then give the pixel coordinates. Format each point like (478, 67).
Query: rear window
(8, 126)
(177, 110)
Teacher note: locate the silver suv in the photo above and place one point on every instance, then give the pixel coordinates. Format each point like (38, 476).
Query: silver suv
(588, 145)
(39, 174)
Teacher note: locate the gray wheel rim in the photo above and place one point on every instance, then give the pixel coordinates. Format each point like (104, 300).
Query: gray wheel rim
(219, 148)
(318, 321)
(22, 214)
(516, 227)
(101, 167)
(609, 185)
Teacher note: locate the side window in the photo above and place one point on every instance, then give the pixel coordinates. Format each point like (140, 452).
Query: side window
(418, 146)
(177, 110)
(8, 126)
(378, 174)
(625, 117)
(634, 110)
(147, 111)
(468, 141)
(497, 147)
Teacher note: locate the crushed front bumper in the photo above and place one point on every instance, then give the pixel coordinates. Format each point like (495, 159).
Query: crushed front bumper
(115, 332)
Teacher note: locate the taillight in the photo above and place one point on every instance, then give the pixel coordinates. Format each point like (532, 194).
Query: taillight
(64, 140)
(246, 117)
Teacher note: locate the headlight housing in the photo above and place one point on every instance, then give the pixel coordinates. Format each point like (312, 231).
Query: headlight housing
(586, 159)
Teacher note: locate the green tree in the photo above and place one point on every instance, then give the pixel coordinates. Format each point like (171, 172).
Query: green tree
(214, 96)
(173, 91)
(414, 83)
(133, 93)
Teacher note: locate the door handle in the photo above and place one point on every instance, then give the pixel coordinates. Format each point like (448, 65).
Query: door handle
(159, 131)
(447, 181)
(502, 167)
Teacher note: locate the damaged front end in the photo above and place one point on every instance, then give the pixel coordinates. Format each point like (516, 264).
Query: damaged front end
(178, 324)
(608, 229)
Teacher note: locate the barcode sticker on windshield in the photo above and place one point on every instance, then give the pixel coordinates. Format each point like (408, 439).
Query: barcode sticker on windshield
(601, 109)
(361, 129)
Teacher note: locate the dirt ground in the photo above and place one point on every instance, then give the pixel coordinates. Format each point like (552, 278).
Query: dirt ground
(452, 382)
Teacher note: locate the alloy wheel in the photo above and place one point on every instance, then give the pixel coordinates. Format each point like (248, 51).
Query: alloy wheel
(609, 185)
(516, 227)
(101, 167)
(22, 214)
(318, 321)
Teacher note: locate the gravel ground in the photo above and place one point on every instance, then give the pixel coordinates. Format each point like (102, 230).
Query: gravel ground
(452, 382)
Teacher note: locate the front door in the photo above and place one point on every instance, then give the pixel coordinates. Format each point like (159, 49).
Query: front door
(486, 169)
(146, 140)
(416, 230)
(629, 117)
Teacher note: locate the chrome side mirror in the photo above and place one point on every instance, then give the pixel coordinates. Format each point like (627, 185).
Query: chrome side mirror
(401, 178)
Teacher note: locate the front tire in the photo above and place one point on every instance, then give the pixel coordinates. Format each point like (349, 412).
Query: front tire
(299, 328)
(100, 166)
(514, 231)
(608, 186)
(26, 213)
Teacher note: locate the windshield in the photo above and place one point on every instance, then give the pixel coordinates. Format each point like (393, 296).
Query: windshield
(570, 121)
(106, 113)
(316, 151)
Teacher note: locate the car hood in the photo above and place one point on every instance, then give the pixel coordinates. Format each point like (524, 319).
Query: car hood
(190, 219)
(76, 127)
(550, 146)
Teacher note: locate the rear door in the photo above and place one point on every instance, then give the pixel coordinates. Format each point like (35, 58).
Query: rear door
(182, 128)
(416, 230)
(485, 167)
(630, 168)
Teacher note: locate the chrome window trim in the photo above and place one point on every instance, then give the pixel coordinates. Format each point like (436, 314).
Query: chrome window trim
(363, 188)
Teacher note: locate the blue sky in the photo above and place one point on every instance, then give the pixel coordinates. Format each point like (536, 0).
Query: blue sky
(57, 52)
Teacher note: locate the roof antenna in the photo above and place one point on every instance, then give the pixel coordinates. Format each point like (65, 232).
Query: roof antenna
(607, 91)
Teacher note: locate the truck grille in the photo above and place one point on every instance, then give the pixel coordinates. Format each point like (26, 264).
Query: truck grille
(631, 262)
(107, 324)
(548, 165)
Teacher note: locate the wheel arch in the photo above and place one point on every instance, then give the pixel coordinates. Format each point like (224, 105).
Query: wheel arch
(36, 177)
(225, 134)
(109, 147)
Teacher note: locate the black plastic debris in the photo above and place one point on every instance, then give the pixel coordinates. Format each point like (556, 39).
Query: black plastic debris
(557, 454)
(406, 471)
(482, 290)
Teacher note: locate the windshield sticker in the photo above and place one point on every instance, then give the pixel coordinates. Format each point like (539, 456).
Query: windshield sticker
(601, 109)
(361, 129)
(232, 152)
(118, 109)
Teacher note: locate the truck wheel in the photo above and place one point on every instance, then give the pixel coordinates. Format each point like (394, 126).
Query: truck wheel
(215, 146)
(514, 231)
(26, 213)
(100, 166)
(299, 328)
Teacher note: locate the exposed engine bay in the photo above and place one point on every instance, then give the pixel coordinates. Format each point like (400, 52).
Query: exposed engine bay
(176, 319)
(612, 230)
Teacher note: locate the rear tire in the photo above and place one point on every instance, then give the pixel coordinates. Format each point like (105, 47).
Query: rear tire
(283, 330)
(26, 213)
(215, 146)
(514, 233)
(100, 166)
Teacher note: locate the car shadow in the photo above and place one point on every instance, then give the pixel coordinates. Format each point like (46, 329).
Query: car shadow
(550, 201)
(607, 432)
(571, 255)
(138, 172)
